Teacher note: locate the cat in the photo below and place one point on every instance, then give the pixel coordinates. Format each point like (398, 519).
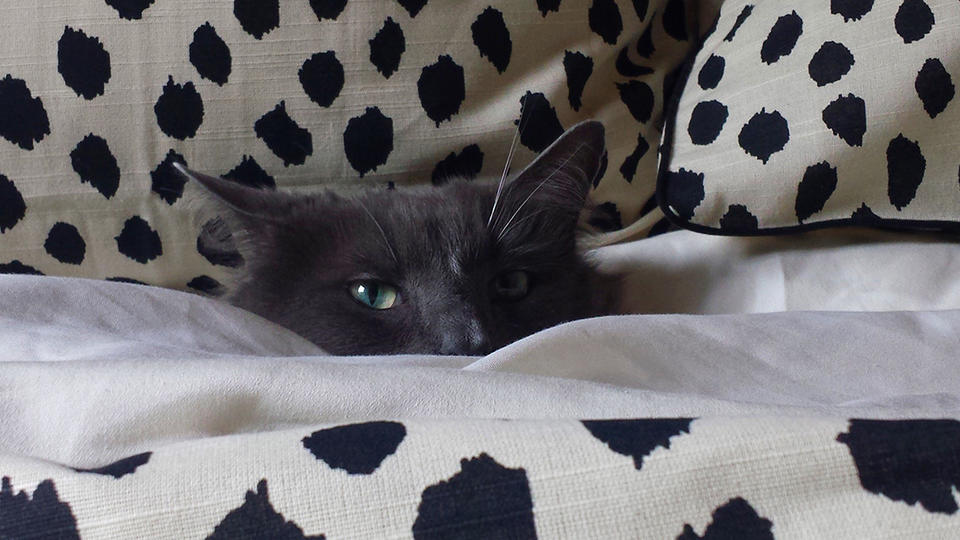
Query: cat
(463, 268)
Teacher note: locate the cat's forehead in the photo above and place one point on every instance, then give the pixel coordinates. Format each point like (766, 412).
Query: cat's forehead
(416, 227)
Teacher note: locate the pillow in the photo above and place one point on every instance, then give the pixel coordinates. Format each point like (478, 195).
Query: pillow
(99, 97)
(811, 114)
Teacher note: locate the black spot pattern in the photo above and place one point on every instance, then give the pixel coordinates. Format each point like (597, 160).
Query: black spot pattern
(93, 161)
(605, 217)
(251, 174)
(908, 460)
(256, 518)
(206, 285)
(830, 63)
(637, 438)
(215, 244)
(466, 164)
(735, 519)
(711, 72)
(604, 19)
(322, 78)
(17, 267)
(627, 68)
(210, 54)
(442, 89)
(138, 241)
(12, 205)
(675, 20)
(864, 216)
(492, 38)
(741, 18)
(167, 181)
(125, 280)
(782, 38)
(764, 135)
(934, 87)
(539, 120)
(83, 63)
(815, 188)
(368, 140)
(121, 467)
(288, 141)
(387, 47)
(42, 516)
(706, 121)
(578, 68)
(645, 46)
(328, 9)
(905, 168)
(413, 7)
(23, 120)
(179, 110)
(130, 9)
(356, 448)
(483, 500)
(65, 244)
(257, 17)
(684, 192)
(641, 7)
(846, 117)
(638, 97)
(914, 20)
(738, 220)
(851, 10)
(548, 5)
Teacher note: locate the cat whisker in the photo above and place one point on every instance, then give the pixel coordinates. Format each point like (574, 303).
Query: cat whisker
(383, 234)
(536, 189)
(506, 166)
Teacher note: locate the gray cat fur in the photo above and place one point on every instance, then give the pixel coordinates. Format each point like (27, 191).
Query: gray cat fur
(433, 244)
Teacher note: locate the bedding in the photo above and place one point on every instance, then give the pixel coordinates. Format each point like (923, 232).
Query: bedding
(813, 114)
(99, 98)
(130, 410)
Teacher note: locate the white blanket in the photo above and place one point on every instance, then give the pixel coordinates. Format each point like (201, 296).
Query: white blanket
(97, 370)
(130, 411)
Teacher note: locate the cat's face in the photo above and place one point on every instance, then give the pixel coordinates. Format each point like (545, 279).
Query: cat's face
(421, 269)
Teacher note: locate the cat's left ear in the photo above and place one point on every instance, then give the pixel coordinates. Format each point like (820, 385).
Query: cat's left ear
(560, 177)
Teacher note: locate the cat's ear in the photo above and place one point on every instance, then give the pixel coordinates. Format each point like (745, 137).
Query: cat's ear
(262, 204)
(560, 177)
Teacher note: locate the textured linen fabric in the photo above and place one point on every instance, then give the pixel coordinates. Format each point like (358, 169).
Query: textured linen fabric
(135, 411)
(99, 98)
(808, 114)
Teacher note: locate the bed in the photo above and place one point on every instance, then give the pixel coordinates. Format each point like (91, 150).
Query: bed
(784, 367)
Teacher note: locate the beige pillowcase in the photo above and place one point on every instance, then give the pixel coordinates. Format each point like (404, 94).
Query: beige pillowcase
(812, 114)
(96, 102)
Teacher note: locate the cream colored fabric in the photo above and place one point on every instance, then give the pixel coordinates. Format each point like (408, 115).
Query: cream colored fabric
(146, 52)
(867, 89)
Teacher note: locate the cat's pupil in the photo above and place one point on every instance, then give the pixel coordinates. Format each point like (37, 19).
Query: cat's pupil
(512, 285)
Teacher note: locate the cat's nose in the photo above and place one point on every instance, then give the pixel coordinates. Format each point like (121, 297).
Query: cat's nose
(464, 337)
(463, 345)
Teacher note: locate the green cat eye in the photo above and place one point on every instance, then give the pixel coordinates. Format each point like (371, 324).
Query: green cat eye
(512, 285)
(374, 294)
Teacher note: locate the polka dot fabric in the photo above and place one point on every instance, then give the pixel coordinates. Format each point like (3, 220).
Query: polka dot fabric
(819, 113)
(99, 98)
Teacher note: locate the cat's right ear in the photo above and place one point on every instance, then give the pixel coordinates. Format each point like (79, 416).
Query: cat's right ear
(261, 204)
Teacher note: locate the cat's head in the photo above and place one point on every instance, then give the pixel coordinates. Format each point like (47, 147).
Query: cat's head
(455, 269)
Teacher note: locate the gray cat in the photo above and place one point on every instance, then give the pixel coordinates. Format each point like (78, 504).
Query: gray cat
(464, 268)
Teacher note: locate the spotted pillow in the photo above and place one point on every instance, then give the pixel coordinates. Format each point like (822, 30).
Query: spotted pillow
(99, 97)
(810, 114)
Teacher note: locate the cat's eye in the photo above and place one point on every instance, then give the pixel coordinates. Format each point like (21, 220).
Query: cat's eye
(374, 294)
(512, 285)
